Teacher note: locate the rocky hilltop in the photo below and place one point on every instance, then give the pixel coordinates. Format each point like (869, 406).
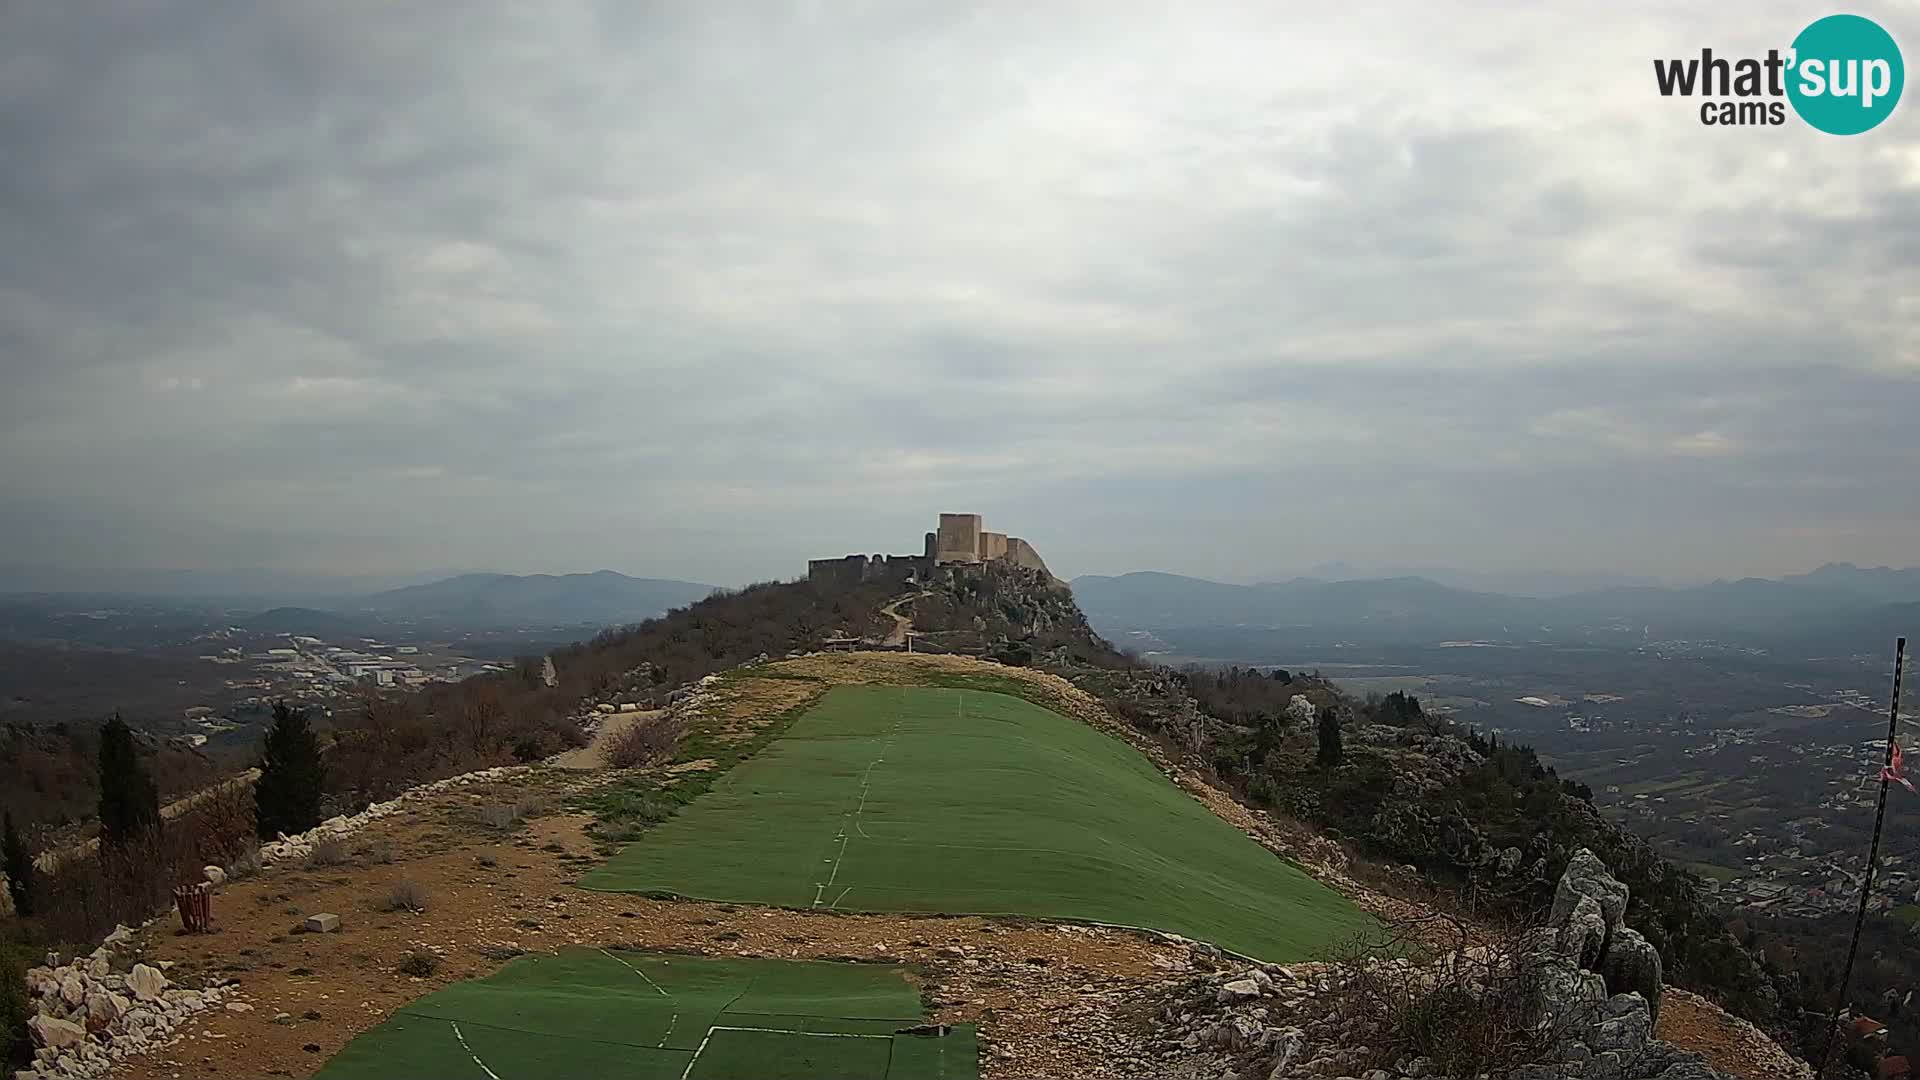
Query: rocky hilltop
(1523, 938)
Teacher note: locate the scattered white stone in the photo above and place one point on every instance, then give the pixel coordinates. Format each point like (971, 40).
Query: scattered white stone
(299, 847)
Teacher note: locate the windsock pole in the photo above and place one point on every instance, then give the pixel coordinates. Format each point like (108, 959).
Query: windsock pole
(1873, 853)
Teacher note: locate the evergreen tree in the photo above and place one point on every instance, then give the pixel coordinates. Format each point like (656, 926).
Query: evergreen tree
(1331, 752)
(18, 862)
(129, 803)
(286, 798)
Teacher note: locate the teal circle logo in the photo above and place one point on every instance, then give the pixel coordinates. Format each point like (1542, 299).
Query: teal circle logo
(1846, 75)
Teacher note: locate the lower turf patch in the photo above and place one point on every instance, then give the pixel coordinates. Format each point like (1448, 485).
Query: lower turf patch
(965, 802)
(648, 1016)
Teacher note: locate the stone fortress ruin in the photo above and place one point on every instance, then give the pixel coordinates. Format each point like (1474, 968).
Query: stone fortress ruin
(960, 539)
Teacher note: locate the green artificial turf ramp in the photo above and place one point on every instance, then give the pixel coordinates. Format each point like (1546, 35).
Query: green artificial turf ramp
(647, 1016)
(968, 802)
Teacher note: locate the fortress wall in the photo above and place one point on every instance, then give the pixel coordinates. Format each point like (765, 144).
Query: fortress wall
(1021, 553)
(993, 545)
(850, 569)
(854, 569)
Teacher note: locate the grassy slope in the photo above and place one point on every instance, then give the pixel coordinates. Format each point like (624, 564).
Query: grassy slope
(588, 1013)
(963, 802)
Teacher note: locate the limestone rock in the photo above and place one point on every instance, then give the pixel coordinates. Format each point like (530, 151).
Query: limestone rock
(1626, 1027)
(324, 922)
(1239, 990)
(54, 1034)
(215, 876)
(1583, 933)
(1632, 965)
(146, 982)
(1586, 875)
(105, 1008)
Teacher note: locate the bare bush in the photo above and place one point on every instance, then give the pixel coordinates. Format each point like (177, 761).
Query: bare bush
(497, 816)
(328, 851)
(244, 865)
(644, 743)
(83, 898)
(407, 894)
(529, 806)
(1472, 1009)
(419, 963)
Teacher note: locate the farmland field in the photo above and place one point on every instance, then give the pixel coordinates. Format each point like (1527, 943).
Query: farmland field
(966, 802)
(646, 1016)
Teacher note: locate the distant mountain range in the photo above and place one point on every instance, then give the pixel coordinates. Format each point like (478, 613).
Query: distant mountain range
(600, 598)
(1838, 601)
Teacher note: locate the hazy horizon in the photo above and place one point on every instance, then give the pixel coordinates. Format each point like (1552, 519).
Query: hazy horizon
(236, 582)
(696, 291)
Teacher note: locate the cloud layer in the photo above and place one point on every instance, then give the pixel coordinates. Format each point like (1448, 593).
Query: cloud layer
(700, 290)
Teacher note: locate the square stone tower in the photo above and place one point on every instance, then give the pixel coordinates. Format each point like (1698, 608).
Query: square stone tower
(958, 539)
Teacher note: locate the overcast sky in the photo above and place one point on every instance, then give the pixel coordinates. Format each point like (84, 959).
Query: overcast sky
(701, 290)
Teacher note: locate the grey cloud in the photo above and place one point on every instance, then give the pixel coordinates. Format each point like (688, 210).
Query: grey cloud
(693, 289)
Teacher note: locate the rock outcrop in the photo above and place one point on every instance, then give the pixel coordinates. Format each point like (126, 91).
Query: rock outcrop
(1593, 989)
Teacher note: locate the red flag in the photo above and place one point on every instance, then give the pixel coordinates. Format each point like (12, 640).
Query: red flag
(1896, 771)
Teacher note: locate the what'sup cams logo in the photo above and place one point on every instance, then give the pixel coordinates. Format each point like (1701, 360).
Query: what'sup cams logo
(1843, 75)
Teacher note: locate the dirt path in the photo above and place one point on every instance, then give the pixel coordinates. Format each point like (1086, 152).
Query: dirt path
(594, 754)
(902, 624)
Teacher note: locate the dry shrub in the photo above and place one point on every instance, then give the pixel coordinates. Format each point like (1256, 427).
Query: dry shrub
(82, 899)
(127, 883)
(224, 818)
(644, 743)
(419, 963)
(529, 806)
(328, 851)
(1472, 1010)
(14, 1009)
(497, 816)
(407, 894)
(244, 865)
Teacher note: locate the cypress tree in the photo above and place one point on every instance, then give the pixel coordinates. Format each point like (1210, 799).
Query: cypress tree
(129, 803)
(286, 798)
(1331, 751)
(18, 862)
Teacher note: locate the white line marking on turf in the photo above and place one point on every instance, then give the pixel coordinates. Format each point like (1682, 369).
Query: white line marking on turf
(636, 971)
(671, 1020)
(837, 899)
(809, 1034)
(471, 1054)
(708, 1037)
(866, 781)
